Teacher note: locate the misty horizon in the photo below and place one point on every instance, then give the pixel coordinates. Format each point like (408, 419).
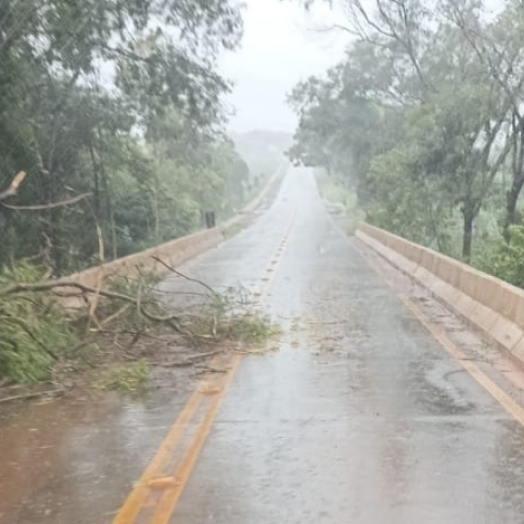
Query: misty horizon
(269, 63)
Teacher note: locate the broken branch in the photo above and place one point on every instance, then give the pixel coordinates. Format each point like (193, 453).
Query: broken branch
(44, 207)
(185, 277)
(12, 190)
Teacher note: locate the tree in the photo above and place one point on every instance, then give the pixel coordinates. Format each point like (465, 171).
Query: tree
(82, 81)
(414, 67)
(498, 49)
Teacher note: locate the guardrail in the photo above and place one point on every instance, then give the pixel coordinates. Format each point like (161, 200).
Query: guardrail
(492, 305)
(174, 252)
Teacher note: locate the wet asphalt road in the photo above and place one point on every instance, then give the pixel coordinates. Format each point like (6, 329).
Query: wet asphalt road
(361, 417)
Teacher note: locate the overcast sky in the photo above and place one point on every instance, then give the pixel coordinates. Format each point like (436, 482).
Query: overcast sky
(282, 45)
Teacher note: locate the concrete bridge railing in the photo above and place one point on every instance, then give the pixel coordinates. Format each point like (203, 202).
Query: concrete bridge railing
(494, 306)
(174, 252)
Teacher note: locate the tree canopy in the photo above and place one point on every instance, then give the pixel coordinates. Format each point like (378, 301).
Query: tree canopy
(120, 100)
(423, 117)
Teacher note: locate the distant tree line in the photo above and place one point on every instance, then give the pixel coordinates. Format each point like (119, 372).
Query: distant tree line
(424, 118)
(119, 101)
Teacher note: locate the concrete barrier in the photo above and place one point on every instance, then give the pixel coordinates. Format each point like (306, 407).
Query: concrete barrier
(494, 306)
(174, 252)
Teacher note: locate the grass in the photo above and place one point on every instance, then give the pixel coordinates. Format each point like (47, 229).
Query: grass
(336, 193)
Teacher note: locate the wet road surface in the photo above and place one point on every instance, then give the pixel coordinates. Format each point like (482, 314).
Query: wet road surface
(360, 417)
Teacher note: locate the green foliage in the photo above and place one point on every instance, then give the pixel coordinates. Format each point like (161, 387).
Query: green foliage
(121, 100)
(40, 341)
(422, 118)
(129, 378)
(34, 330)
(250, 328)
(336, 193)
(505, 260)
(411, 206)
(227, 316)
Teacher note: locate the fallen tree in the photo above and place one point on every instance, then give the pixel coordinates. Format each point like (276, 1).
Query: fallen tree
(121, 316)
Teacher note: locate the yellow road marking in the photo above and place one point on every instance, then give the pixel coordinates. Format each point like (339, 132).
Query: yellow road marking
(169, 499)
(138, 498)
(510, 405)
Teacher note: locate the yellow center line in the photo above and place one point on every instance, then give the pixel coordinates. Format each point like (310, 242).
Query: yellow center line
(138, 498)
(169, 499)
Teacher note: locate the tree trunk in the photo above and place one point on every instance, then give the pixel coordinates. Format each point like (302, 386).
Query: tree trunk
(107, 193)
(6, 253)
(467, 234)
(512, 197)
(156, 191)
(109, 204)
(96, 180)
(52, 222)
(517, 167)
(58, 242)
(48, 189)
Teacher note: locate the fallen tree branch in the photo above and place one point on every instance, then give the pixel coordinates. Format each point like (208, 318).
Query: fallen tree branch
(51, 285)
(133, 332)
(172, 319)
(177, 364)
(204, 355)
(115, 315)
(45, 207)
(12, 190)
(56, 284)
(35, 394)
(208, 369)
(185, 277)
(189, 361)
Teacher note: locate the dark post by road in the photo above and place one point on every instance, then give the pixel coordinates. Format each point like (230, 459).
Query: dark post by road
(209, 217)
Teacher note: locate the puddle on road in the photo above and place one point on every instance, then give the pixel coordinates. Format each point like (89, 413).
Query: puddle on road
(59, 449)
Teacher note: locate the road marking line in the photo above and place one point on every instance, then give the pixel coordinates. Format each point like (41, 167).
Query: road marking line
(169, 499)
(138, 498)
(510, 405)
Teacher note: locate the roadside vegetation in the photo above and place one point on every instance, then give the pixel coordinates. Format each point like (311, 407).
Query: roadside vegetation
(423, 120)
(113, 109)
(111, 141)
(343, 200)
(122, 327)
